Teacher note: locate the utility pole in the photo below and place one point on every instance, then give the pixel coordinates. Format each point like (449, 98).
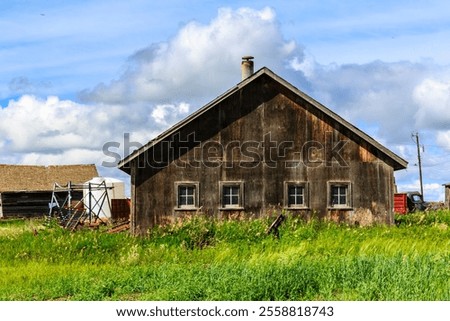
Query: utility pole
(416, 135)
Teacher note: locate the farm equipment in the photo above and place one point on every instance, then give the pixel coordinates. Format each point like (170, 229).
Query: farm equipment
(409, 202)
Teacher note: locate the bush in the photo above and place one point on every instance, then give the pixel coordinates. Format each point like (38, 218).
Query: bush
(424, 218)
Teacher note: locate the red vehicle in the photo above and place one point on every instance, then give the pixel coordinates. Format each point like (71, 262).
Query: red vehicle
(408, 202)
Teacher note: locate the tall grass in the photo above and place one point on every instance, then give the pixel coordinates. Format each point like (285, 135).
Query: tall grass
(203, 259)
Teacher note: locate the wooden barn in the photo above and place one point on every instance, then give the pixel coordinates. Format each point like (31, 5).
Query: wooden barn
(261, 147)
(26, 190)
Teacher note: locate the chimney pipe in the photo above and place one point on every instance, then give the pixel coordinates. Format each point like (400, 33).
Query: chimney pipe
(246, 67)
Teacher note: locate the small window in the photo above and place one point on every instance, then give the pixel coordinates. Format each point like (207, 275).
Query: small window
(339, 195)
(187, 195)
(295, 194)
(231, 194)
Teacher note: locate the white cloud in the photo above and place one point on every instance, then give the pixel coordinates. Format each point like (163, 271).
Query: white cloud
(168, 113)
(32, 124)
(69, 156)
(201, 60)
(433, 98)
(307, 66)
(374, 93)
(54, 131)
(443, 139)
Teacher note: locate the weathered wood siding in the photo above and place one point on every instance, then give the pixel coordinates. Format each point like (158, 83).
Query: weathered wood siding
(263, 136)
(24, 204)
(28, 204)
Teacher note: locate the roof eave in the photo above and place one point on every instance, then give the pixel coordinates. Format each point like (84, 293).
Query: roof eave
(398, 162)
(122, 164)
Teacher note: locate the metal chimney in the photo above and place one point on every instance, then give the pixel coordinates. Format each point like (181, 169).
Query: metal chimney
(246, 67)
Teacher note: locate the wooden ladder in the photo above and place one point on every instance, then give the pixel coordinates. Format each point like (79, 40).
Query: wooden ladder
(75, 219)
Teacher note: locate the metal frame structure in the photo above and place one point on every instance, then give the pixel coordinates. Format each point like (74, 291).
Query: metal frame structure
(89, 208)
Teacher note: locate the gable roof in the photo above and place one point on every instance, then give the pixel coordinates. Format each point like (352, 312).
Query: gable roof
(14, 178)
(397, 161)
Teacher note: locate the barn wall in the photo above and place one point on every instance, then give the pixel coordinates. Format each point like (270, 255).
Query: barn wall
(263, 138)
(25, 204)
(29, 204)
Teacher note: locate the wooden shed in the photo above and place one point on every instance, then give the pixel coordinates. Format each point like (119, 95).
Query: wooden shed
(263, 146)
(26, 190)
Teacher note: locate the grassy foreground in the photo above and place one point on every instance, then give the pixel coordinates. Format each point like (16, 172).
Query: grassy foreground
(209, 260)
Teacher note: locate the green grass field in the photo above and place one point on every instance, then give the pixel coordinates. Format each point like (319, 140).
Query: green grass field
(235, 260)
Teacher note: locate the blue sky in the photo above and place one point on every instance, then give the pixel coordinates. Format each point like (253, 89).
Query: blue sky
(77, 74)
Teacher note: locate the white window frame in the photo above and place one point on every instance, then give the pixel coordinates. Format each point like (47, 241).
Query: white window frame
(348, 195)
(195, 186)
(240, 185)
(305, 195)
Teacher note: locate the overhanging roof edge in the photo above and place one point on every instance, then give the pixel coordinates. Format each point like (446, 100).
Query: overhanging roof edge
(189, 118)
(401, 163)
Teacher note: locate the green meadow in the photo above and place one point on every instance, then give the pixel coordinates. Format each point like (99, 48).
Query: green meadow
(204, 259)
